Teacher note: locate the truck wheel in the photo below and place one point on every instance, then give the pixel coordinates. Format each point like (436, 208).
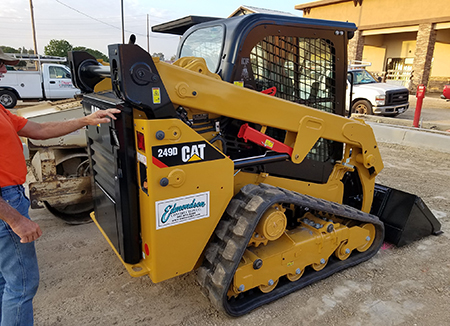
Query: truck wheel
(362, 107)
(72, 214)
(8, 99)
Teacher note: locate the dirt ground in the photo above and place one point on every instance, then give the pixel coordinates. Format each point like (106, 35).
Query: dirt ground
(83, 282)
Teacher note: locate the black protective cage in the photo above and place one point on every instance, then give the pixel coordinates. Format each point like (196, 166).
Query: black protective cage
(305, 59)
(294, 54)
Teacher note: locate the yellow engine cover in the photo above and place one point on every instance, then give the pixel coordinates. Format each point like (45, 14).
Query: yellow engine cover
(185, 186)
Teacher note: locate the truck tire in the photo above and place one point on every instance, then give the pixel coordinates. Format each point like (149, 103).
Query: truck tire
(8, 99)
(75, 214)
(362, 107)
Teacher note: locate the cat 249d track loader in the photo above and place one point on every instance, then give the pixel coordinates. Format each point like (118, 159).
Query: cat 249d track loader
(262, 194)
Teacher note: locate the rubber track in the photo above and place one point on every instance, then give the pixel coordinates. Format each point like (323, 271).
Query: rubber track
(234, 231)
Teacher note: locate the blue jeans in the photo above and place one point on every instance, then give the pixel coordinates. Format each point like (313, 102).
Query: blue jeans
(19, 273)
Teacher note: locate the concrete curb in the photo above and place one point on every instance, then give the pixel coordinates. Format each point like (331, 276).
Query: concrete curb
(433, 126)
(415, 137)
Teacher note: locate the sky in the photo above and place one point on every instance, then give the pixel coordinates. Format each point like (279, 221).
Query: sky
(97, 23)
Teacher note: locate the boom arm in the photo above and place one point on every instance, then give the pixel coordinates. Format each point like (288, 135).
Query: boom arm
(308, 124)
(157, 87)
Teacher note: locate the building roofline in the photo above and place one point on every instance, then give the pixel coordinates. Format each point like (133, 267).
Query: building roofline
(417, 22)
(261, 10)
(319, 3)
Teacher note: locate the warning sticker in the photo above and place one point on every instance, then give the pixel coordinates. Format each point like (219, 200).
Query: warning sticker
(181, 210)
(268, 143)
(156, 95)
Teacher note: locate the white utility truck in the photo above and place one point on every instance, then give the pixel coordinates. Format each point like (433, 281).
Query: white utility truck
(369, 96)
(50, 81)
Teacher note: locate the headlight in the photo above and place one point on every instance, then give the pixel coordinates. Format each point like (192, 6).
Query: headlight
(380, 99)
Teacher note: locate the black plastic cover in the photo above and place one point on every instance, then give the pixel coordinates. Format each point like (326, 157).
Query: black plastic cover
(136, 81)
(78, 60)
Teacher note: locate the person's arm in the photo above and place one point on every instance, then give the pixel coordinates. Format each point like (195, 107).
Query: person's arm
(27, 230)
(53, 129)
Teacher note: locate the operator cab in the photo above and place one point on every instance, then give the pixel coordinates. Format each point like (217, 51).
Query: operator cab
(304, 60)
(260, 51)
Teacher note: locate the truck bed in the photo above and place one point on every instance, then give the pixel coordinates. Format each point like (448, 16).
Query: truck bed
(27, 83)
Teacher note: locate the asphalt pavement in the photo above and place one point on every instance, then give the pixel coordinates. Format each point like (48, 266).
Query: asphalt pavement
(434, 110)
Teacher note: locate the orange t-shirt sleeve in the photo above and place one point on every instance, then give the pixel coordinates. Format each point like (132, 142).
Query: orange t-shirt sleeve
(18, 122)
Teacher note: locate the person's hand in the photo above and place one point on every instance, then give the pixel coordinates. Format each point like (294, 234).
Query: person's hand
(27, 230)
(101, 116)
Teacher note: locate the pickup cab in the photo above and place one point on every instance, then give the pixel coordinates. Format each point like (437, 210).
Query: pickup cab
(370, 96)
(52, 81)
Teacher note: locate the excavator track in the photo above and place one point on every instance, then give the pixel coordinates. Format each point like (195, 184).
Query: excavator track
(234, 232)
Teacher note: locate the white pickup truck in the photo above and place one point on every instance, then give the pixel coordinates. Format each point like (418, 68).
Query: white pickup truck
(53, 81)
(369, 96)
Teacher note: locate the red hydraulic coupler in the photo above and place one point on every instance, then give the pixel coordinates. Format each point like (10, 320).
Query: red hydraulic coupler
(270, 91)
(420, 94)
(248, 133)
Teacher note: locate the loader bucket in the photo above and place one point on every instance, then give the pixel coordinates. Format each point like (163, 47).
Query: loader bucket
(405, 216)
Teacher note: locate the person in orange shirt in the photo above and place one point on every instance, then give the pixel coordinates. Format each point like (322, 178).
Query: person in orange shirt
(19, 273)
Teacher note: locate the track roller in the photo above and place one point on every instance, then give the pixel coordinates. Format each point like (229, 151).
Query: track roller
(272, 242)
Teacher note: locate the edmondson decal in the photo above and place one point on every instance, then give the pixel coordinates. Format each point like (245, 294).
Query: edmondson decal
(181, 210)
(169, 210)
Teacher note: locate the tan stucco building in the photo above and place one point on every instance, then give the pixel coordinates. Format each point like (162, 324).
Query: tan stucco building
(407, 41)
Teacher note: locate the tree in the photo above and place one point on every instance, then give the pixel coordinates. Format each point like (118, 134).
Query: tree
(95, 53)
(58, 48)
(8, 49)
(25, 51)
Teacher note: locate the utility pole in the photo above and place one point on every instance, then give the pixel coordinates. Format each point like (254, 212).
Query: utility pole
(123, 23)
(33, 28)
(148, 35)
